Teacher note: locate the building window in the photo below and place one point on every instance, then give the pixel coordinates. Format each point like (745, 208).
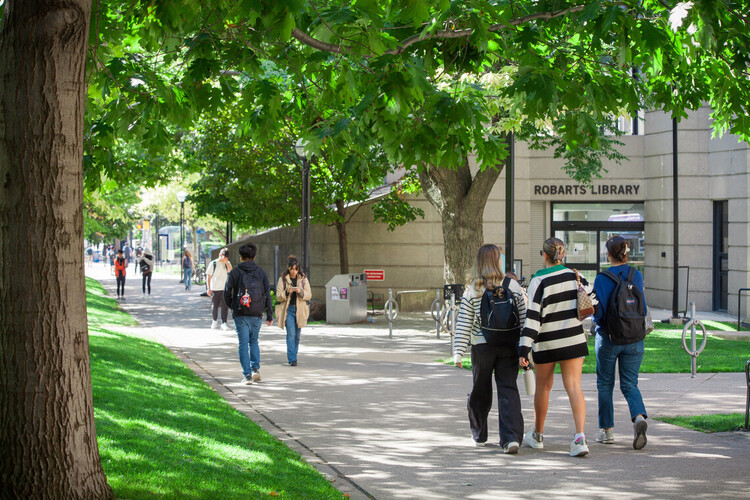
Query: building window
(586, 227)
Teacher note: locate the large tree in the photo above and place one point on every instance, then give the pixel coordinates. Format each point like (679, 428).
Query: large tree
(46, 411)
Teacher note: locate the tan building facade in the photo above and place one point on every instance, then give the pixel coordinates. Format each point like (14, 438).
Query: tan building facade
(633, 199)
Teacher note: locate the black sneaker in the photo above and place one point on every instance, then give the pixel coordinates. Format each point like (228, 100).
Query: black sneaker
(293, 363)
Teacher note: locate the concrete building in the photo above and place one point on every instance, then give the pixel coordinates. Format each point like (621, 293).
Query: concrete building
(633, 199)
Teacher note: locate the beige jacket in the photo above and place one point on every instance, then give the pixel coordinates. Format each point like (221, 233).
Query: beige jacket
(303, 310)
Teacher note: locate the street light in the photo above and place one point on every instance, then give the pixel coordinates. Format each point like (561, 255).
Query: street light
(181, 198)
(300, 148)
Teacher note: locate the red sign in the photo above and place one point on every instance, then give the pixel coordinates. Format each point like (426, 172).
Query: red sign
(375, 274)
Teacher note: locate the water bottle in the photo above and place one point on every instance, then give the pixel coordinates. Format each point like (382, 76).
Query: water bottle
(528, 381)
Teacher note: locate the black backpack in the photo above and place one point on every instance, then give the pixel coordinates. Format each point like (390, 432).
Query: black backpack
(626, 311)
(250, 297)
(498, 316)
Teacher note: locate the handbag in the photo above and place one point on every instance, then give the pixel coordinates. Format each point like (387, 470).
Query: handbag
(649, 322)
(585, 306)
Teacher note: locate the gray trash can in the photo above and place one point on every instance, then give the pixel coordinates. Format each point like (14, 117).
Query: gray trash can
(346, 299)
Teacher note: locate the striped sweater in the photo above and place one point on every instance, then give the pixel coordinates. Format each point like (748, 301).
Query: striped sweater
(552, 325)
(468, 325)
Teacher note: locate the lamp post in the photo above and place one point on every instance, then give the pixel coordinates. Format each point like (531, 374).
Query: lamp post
(300, 148)
(181, 198)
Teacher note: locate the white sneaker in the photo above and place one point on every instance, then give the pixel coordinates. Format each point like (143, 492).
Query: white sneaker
(534, 440)
(247, 379)
(578, 448)
(214, 325)
(224, 326)
(605, 436)
(511, 448)
(256, 376)
(479, 444)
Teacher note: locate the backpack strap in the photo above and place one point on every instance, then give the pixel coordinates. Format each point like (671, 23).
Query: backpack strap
(631, 274)
(609, 274)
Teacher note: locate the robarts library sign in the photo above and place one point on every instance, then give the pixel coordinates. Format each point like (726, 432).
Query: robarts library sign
(597, 190)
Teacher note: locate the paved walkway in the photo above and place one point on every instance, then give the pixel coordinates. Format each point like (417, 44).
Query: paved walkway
(385, 420)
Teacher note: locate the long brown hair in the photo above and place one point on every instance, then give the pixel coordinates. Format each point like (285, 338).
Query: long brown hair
(489, 274)
(618, 248)
(293, 261)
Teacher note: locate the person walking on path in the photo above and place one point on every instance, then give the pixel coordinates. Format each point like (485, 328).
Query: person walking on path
(187, 269)
(121, 265)
(146, 263)
(218, 270)
(248, 293)
(556, 335)
(496, 355)
(292, 293)
(629, 356)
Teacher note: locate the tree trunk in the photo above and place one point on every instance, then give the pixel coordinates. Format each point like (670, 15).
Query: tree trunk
(343, 242)
(460, 201)
(47, 434)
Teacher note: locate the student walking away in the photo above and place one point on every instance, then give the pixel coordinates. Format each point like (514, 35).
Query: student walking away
(555, 335)
(147, 269)
(620, 330)
(187, 269)
(89, 257)
(292, 310)
(218, 270)
(111, 253)
(121, 265)
(490, 316)
(128, 252)
(248, 293)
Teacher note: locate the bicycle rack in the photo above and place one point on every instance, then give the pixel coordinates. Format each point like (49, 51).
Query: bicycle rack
(693, 352)
(391, 311)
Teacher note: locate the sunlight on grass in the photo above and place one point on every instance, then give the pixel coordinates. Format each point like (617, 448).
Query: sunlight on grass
(728, 422)
(665, 354)
(162, 432)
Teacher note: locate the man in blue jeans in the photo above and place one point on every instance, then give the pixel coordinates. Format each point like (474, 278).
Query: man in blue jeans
(248, 293)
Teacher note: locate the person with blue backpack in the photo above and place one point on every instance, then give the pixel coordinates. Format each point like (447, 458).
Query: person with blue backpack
(490, 317)
(620, 329)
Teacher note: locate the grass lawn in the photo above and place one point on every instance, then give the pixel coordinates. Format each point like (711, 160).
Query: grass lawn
(664, 354)
(164, 433)
(709, 423)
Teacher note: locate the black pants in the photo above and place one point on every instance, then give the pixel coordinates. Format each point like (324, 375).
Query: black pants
(217, 302)
(120, 285)
(147, 279)
(503, 361)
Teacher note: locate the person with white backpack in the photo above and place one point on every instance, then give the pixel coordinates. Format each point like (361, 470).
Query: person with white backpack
(217, 272)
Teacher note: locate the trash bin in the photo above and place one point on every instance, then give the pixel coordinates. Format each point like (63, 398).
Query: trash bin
(346, 299)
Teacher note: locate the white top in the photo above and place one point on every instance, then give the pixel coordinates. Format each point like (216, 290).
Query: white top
(218, 275)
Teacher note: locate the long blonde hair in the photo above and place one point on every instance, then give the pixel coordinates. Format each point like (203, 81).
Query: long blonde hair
(489, 274)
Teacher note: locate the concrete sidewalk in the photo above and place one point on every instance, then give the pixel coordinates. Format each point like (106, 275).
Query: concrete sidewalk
(385, 420)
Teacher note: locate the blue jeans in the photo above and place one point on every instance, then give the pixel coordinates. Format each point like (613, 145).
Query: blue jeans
(630, 357)
(188, 275)
(292, 334)
(247, 328)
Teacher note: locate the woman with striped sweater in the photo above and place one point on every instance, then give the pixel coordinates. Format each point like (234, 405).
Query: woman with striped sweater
(554, 333)
(499, 357)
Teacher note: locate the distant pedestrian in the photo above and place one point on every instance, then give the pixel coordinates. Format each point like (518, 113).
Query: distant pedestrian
(292, 294)
(217, 272)
(128, 252)
(111, 254)
(248, 293)
(556, 335)
(608, 354)
(146, 264)
(497, 355)
(120, 268)
(89, 257)
(187, 269)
